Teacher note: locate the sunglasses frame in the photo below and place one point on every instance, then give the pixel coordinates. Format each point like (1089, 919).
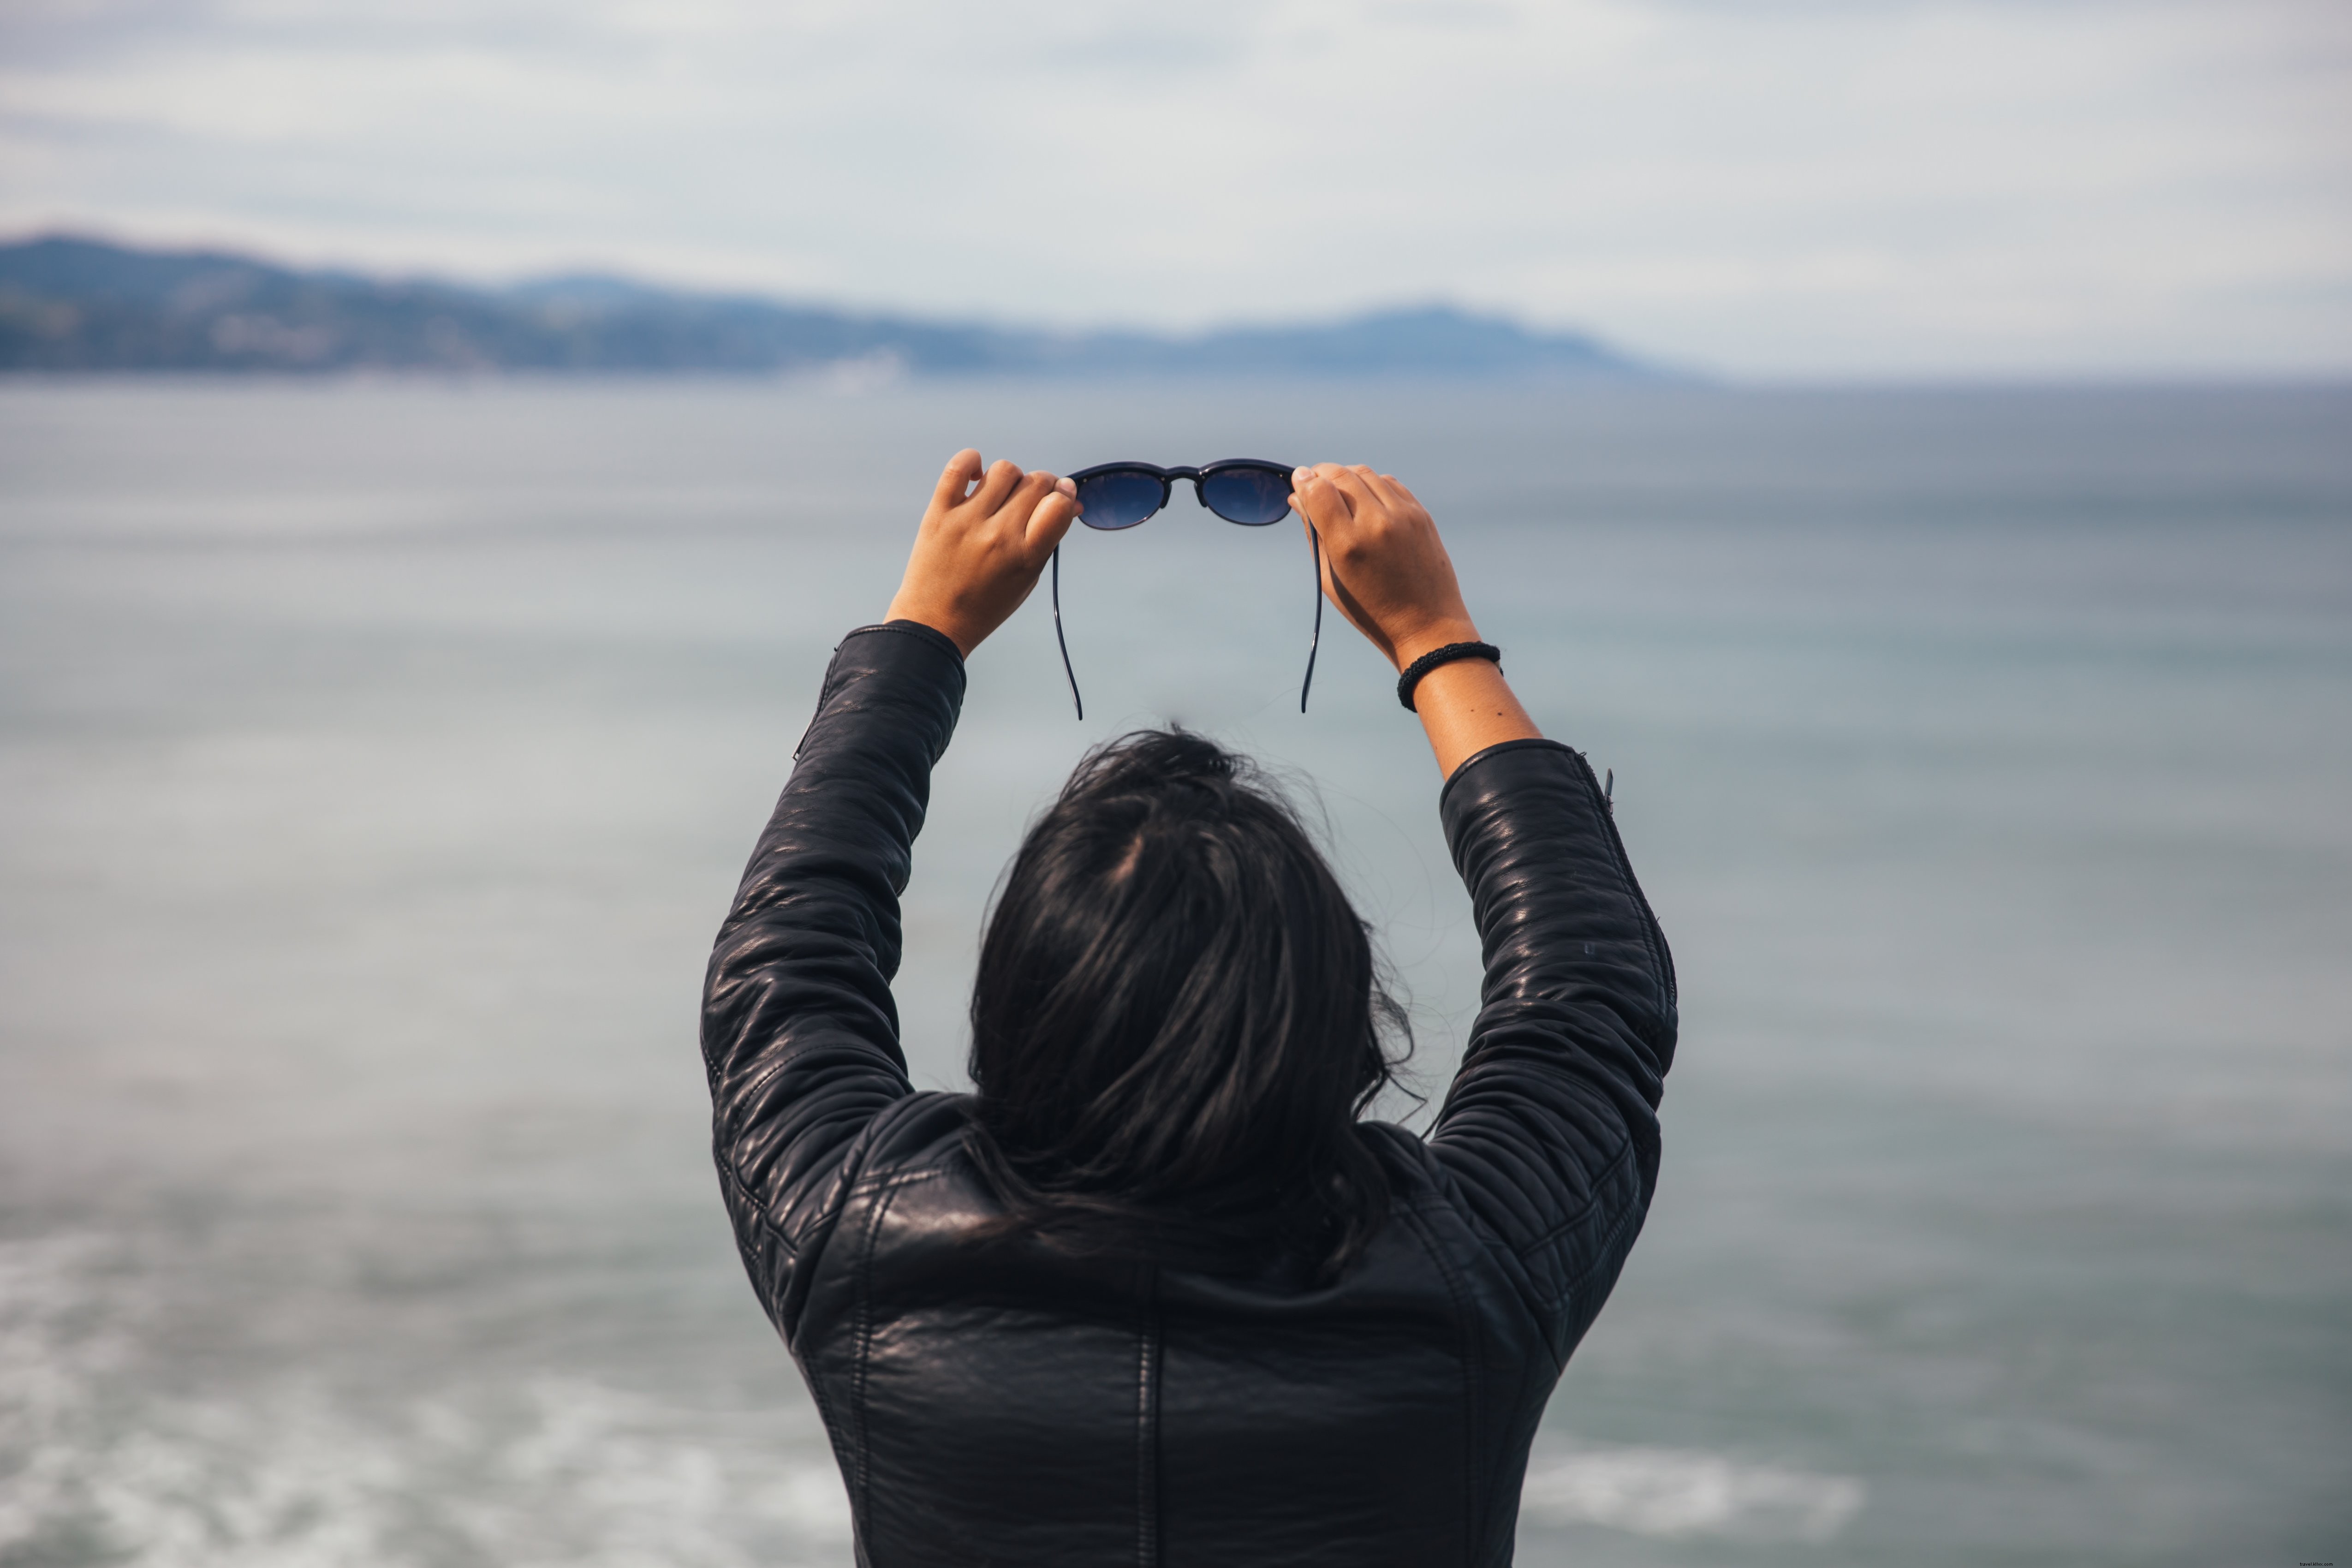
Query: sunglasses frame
(1168, 478)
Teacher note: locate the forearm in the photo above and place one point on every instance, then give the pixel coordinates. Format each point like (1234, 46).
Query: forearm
(1466, 705)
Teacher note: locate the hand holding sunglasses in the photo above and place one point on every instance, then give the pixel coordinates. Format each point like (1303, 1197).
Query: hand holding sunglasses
(983, 539)
(1386, 568)
(1250, 491)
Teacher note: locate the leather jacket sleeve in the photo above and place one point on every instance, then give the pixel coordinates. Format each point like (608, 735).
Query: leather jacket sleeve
(1550, 1134)
(800, 1034)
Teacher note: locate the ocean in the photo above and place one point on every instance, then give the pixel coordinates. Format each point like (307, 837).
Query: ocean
(378, 759)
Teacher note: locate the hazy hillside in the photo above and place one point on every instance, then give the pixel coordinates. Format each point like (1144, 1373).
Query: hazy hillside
(69, 304)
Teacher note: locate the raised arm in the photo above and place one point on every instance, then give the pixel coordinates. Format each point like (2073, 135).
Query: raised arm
(1550, 1134)
(800, 1034)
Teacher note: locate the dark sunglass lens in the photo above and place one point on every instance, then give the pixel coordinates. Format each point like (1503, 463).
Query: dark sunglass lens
(1250, 494)
(1120, 498)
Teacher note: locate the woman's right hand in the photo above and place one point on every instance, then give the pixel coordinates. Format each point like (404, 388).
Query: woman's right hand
(1383, 564)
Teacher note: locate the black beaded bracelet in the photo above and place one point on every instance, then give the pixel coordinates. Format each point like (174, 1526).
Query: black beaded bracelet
(1437, 655)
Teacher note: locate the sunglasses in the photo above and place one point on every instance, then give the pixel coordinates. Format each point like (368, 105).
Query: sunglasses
(1247, 491)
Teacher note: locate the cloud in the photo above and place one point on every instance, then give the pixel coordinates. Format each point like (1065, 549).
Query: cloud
(1809, 186)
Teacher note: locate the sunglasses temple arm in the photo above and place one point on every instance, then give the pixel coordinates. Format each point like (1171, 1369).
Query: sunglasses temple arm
(1060, 642)
(1315, 641)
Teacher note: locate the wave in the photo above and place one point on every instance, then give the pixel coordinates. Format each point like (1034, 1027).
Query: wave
(544, 1472)
(1677, 1493)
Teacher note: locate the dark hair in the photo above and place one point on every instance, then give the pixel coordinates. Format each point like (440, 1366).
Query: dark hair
(1178, 1016)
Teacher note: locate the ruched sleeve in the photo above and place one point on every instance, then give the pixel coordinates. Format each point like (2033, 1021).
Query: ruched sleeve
(800, 1034)
(1550, 1132)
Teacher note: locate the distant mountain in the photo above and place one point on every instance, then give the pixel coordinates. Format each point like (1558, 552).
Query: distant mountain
(68, 304)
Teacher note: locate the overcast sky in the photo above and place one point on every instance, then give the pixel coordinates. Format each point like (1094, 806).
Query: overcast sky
(1772, 188)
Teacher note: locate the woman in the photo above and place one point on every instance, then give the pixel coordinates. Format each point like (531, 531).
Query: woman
(1153, 1294)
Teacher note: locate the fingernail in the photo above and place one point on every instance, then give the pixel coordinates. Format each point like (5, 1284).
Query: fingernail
(1300, 476)
(1068, 487)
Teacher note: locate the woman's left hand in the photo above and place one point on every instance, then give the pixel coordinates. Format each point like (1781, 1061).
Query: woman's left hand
(986, 535)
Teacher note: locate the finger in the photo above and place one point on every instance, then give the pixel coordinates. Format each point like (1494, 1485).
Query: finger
(1403, 491)
(1319, 501)
(995, 485)
(1300, 478)
(1051, 520)
(1316, 474)
(1393, 496)
(1350, 483)
(1022, 504)
(961, 469)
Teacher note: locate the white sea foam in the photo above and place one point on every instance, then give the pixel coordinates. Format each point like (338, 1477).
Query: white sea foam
(1675, 1492)
(555, 1471)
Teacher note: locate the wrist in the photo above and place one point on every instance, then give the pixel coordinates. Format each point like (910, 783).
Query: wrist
(1406, 648)
(1465, 707)
(951, 626)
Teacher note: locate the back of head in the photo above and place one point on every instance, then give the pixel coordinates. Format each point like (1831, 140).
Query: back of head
(1177, 1017)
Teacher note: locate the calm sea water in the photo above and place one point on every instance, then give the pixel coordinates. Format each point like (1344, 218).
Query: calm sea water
(378, 761)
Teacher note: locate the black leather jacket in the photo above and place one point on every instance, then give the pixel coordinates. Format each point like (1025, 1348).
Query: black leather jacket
(998, 1401)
